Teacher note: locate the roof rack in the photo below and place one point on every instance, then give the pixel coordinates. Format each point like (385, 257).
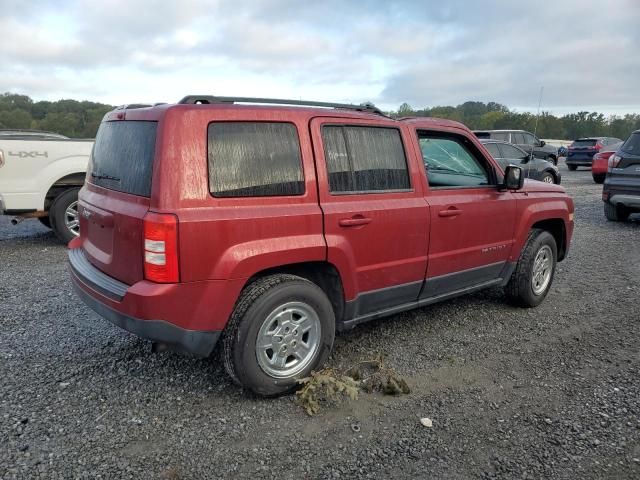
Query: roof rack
(210, 99)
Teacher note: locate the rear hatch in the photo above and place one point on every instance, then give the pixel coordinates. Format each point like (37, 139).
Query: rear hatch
(626, 173)
(583, 149)
(116, 198)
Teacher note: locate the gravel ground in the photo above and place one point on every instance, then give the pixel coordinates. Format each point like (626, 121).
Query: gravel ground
(545, 393)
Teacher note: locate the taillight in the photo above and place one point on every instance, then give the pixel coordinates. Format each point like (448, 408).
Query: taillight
(161, 248)
(598, 146)
(614, 160)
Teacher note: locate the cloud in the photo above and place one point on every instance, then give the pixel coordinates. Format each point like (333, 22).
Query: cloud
(423, 53)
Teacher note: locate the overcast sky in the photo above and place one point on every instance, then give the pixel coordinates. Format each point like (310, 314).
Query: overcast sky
(585, 53)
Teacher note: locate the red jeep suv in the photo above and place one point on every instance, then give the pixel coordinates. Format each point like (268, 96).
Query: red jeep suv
(269, 227)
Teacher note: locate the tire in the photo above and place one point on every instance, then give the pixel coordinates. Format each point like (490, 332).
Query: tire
(529, 285)
(553, 160)
(599, 178)
(573, 168)
(548, 177)
(62, 220)
(257, 316)
(615, 213)
(45, 221)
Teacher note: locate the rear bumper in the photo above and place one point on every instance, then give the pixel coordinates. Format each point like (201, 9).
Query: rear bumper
(629, 201)
(580, 162)
(140, 313)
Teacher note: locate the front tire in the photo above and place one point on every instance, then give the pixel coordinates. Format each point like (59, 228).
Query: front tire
(548, 178)
(530, 282)
(281, 329)
(63, 215)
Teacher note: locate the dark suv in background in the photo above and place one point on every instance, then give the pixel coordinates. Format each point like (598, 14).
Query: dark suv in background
(621, 192)
(582, 150)
(525, 140)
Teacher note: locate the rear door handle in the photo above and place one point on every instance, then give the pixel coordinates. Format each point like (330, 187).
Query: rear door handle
(354, 221)
(450, 212)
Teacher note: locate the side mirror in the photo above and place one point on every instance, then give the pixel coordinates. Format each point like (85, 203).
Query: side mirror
(542, 143)
(513, 178)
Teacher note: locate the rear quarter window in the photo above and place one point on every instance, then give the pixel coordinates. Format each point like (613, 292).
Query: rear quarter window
(122, 156)
(254, 159)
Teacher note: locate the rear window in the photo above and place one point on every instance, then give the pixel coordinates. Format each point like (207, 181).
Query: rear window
(586, 142)
(122, 156)
(254, 159)
(632, 145)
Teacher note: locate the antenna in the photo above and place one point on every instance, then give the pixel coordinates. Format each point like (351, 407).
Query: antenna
(535, 128)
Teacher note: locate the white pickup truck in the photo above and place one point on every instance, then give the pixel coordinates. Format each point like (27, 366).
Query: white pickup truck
(40, 175)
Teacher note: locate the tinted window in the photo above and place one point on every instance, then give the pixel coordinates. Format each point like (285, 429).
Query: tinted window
(450, 164)
(502, 136)
(632, 145)
(509, 151)
(252, 159)
(122, 156)
(517, 138)
(584, 143)
(528, 138)
(493, 150)
(365, 159)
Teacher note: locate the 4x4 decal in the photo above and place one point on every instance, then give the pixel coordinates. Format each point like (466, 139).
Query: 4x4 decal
(28, 154)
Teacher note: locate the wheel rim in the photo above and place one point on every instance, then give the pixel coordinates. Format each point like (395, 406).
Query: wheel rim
(288, 340)
(71, 219)
(547, 179)
(542, 269)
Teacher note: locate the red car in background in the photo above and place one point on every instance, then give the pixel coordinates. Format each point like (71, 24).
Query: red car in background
(601, 161)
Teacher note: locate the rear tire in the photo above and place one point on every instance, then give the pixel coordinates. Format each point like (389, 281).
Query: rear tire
(533, 276)
(63, 215)
(599, 178)
(281, 329)
(615, 213)
(573, 168)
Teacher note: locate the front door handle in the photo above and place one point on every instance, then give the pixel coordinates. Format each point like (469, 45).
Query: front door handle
(355, 221)
(450, 212)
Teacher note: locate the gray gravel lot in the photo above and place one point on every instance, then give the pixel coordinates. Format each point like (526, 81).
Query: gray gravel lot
(552, 392)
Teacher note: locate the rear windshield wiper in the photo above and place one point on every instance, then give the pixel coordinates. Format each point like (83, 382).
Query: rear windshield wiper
(104, 177)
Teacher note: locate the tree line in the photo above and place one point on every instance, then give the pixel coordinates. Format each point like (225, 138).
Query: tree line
(81, 119)
(495, 116)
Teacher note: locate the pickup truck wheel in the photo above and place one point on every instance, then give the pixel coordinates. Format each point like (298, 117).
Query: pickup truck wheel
(532, 278)
(63, 215)
(281, 329)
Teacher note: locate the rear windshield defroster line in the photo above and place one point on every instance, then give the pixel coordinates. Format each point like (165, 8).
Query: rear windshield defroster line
(122, 156)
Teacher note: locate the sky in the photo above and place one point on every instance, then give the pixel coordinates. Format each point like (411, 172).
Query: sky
(585, 53)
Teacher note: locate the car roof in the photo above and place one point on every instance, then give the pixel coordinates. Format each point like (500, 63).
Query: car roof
(29, 133)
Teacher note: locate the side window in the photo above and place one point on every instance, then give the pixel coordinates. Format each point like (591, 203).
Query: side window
(493, 149)
(517, 138)
(509, 151)
(254, 159)
(528, 139)
(502, 136)
(449, 163)
(365, 159)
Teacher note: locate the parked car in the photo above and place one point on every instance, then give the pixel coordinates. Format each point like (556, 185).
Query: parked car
(621, 191)
(533, 167)
(525, 140)
(600, 163)
(269, 227)
(582, 150)
(40, 176)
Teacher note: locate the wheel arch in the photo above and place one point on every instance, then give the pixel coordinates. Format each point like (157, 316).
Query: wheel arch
(324, 274)
(556, 227)
(57, 187)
